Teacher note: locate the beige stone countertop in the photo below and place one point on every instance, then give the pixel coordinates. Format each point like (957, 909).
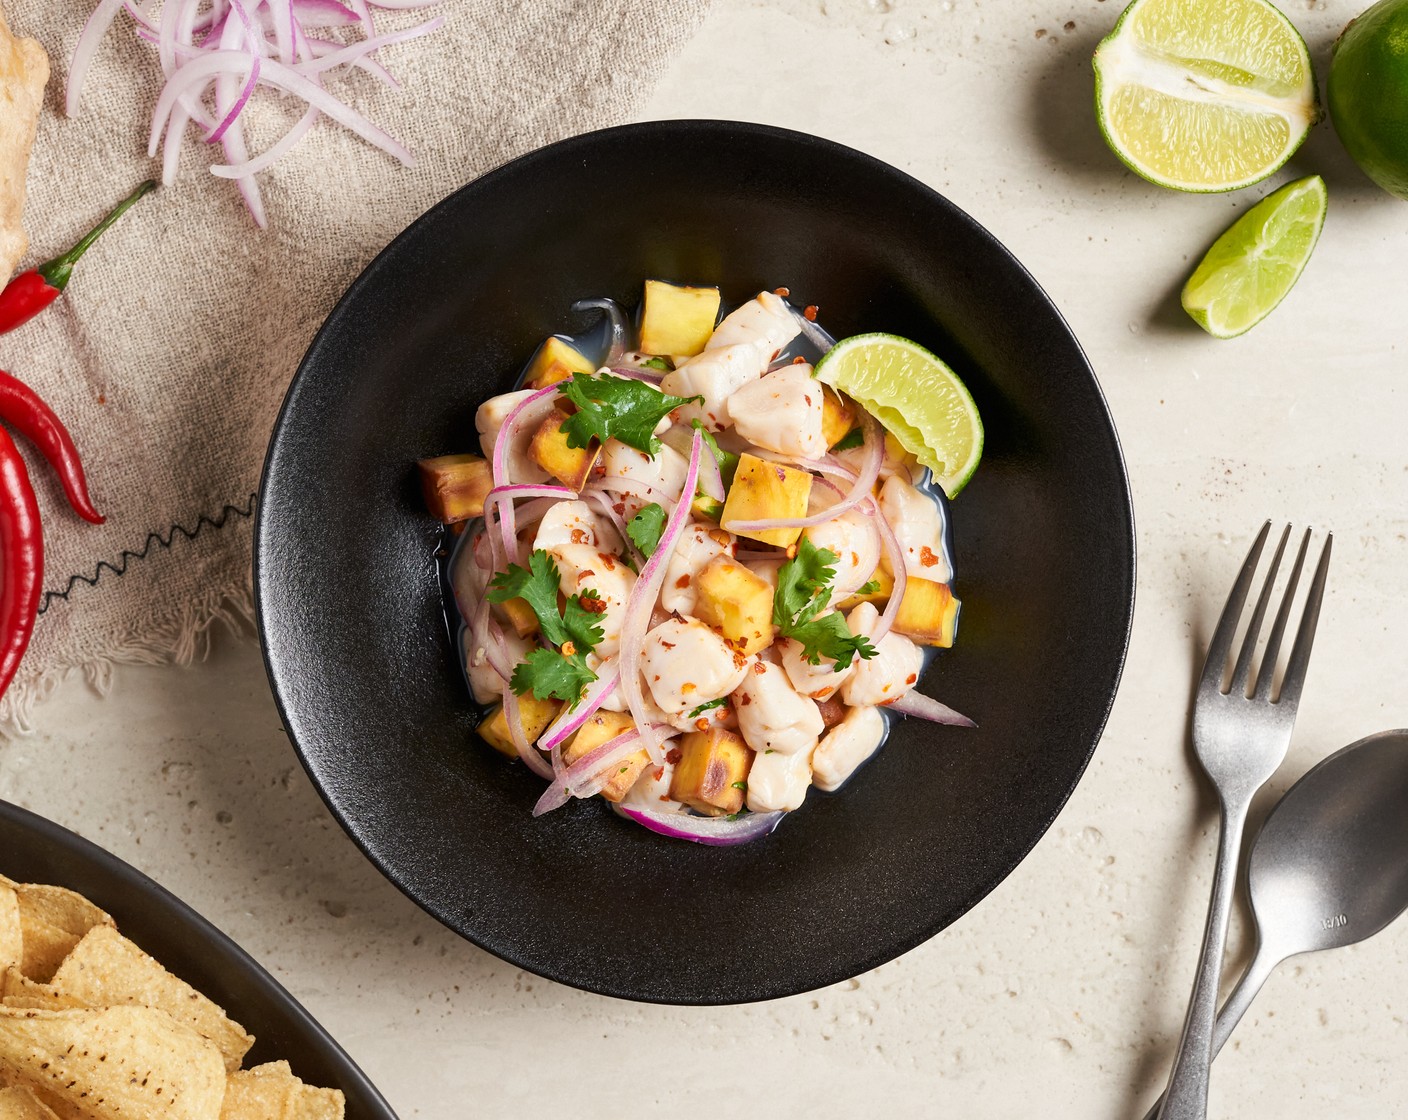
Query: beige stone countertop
(1060, 996)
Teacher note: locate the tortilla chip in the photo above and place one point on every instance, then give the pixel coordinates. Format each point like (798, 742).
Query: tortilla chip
(18, 991)
(271, 1092)
(52, 922)
(11, 936)
(24, 70)
(107, 970)
(21, 1104)
(121, 1063)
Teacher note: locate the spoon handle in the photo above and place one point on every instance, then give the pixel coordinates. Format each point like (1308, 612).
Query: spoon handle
(1187, 1095)
(1261, 967)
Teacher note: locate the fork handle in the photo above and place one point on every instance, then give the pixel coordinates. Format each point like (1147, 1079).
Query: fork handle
(1187, 1095)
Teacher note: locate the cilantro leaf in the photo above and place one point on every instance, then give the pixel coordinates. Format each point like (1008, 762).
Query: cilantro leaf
(727, 460)
(536, 585)
(645, 528)
(854, 438)
(803, 584)
(869, 587)
(552, 675)
(829, 636)
(659, 363)
(581, 621)
(617, 407)
(803, 592)
(721, 702)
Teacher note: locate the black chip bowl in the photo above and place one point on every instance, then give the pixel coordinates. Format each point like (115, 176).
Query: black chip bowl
(352, 620)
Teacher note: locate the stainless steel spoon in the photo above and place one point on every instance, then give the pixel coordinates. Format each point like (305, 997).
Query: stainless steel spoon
(1330, 865)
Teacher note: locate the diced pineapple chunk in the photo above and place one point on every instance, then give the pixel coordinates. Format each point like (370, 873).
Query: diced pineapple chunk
(520, 616)
(928, 613)
(602, 728)
(555, 361)
(455, 486)
(712, 772)
(533, 714)
(677, 320)
(571, 466)
(880, 576)
(763, 490)
(736, 603)
(838, 416)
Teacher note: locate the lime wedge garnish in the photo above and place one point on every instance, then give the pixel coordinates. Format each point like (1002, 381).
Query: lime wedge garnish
(1204, 95)
(917, 398)
(1252, 266)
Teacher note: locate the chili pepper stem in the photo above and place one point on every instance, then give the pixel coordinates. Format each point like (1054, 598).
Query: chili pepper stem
(57, 272)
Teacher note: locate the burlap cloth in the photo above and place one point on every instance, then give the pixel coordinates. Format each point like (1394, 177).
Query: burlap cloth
(171, 352)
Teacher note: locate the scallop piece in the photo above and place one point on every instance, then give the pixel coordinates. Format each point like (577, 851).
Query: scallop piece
(652, 790)
(585, 568)
(778, 781)
(575, 522)
(714, 375)
(856, 546)
(919, 527)
(819, 681)
(781, 412)
(697, 546)
(484, 681)
(887, 676)
(774, 716)
(766, 323)
(686, 664)
(847, 745)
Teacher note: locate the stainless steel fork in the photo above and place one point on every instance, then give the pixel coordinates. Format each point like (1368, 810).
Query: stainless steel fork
(1240, 734)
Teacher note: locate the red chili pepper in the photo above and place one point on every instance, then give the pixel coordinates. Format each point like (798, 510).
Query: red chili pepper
(21, 559)
(31, 292)
(24, 410)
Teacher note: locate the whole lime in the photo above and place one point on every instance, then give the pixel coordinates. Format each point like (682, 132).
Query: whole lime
(1368, 93)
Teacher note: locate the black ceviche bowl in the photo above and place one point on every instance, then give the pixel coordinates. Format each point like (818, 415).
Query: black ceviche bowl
(353, 621)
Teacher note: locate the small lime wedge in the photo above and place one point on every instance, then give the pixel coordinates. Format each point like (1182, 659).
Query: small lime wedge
(1252, 266)
(917, 398)
(1204, 95)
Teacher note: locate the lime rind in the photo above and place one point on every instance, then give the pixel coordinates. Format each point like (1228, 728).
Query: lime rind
(1253, 266)
(916, 397)
(1263, 117)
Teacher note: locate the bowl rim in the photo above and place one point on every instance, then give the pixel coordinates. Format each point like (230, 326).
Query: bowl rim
(682, 128)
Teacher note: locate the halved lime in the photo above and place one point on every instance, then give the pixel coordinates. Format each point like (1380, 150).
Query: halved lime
(1252, 266)
(1204, 95)
(917, 398)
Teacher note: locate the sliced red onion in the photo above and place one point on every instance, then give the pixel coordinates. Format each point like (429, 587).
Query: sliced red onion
(323, 13)
(531, 757)
(503, 498)
(345, 55)
(619, 330)
(529, 410)
(238, 107)
(620, 484)
(586, 777)
(717, 831)
(635, 373)
(926, 707)
(711, 478)
(271, 156)
(92, 34)
(568, 723)
(897, 568)
(642, 602)
(860, 489)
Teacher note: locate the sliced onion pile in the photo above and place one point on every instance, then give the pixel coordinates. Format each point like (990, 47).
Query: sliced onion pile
(214, 54)
(718, 831)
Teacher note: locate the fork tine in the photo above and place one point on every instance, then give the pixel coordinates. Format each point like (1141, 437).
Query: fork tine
(1300, 652)
(1221, 643)
(1244, 658)
(1266, 673)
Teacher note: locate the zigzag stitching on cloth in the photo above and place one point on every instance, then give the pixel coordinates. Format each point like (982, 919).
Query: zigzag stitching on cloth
(154, 538)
